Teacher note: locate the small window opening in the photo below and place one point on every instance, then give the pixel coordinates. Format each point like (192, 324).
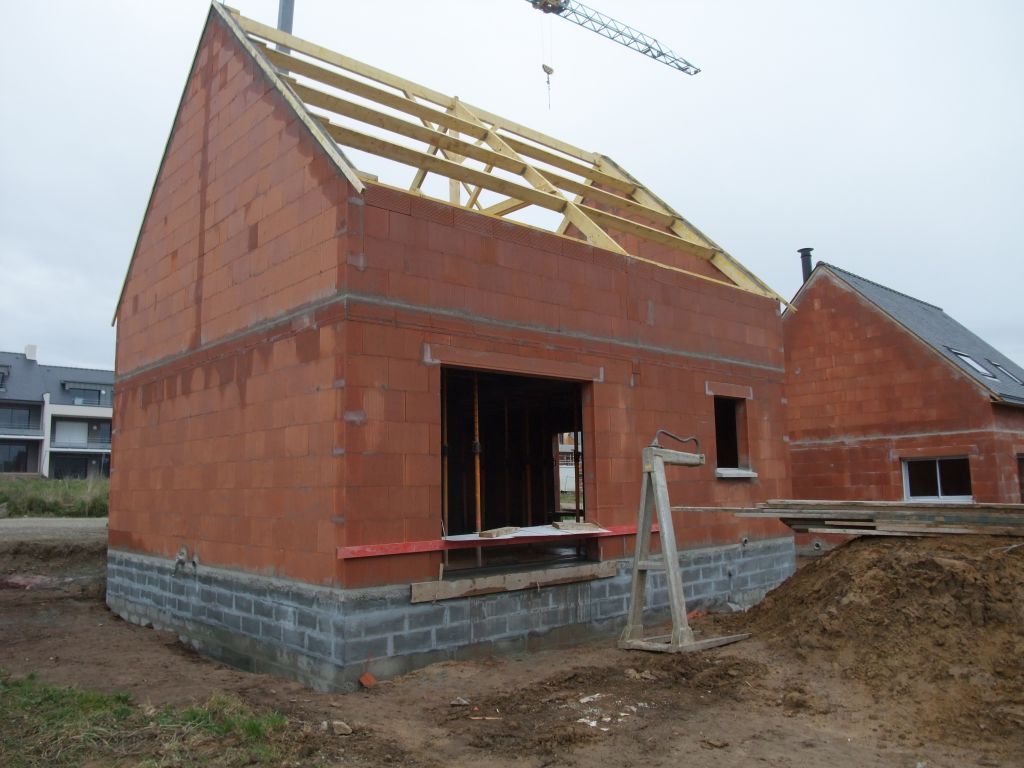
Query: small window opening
(937, 479)
(512, 455)
(974, 364)
(732, 457)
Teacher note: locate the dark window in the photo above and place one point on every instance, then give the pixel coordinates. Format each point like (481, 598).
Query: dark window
(5, 372)
(1020, 476)
(69, 467)
(99, 432)
(730, 432)
(84, 396)
(13, 457)
(16, 416)
(938, 478)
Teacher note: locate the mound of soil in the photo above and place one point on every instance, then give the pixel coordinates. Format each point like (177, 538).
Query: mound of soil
(936, 624)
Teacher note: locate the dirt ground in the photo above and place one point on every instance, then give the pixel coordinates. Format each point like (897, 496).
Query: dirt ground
(884, 653)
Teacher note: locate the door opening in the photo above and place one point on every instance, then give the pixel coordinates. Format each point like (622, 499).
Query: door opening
(512, 455)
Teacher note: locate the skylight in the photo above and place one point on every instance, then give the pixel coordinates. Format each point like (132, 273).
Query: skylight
(1005, 372)
(970, 361)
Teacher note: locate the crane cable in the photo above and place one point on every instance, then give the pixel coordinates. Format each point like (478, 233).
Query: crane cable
(546, 52)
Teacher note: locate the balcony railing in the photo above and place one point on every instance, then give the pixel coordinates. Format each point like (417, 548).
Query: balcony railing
(32, 430)
(90, 445)
(103, 401)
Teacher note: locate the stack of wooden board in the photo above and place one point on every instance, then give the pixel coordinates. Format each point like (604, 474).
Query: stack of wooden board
(894, 518)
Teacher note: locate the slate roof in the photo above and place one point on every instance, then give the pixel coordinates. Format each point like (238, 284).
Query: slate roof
(942, 333)
(28, 380)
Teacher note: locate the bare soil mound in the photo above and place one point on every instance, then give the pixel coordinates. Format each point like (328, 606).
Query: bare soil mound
(934, 624)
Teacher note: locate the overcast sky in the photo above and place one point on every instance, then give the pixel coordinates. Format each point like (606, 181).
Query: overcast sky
(887, 134)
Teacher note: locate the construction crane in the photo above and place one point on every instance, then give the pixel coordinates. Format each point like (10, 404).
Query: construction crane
(621, 33)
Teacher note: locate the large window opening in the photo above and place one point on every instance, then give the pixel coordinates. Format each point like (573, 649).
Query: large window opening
(13, 457)
(512, 456)
(937, 479)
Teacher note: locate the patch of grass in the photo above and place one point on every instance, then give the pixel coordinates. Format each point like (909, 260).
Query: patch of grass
(46, 725)
(39, 497)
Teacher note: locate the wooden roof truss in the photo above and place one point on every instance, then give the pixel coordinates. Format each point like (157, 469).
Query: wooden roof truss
(492, 165)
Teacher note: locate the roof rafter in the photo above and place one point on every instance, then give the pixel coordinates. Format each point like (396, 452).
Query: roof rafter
(457, 136)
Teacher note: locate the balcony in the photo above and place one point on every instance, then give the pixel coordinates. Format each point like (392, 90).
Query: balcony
(31, 430)
(95, 446)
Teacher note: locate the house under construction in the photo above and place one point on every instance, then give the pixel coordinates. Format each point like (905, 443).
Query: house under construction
(330, 382)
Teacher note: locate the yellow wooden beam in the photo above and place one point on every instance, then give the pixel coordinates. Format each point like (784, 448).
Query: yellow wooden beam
(724, 262)
(386, 78)
(558, 161)
(591, 231)
(394, 124)
(619, 224)
(591, 192)
(417, 159)
(364, 90)
(510, 205)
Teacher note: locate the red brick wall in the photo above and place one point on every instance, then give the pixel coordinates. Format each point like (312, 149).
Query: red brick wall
(241, 223)
(280, 401)
(863, 394)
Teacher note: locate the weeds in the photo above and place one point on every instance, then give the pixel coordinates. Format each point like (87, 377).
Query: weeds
(38, 497)
(45, 725)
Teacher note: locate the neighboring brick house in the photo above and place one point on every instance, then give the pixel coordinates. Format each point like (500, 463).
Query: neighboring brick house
(889, 398)
(54, 420)
(327, 385)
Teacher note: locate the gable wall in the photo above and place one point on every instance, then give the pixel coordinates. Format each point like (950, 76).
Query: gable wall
(226, 417)
(863, 394)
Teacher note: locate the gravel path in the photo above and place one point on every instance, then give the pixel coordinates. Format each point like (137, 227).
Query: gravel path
(72, 530)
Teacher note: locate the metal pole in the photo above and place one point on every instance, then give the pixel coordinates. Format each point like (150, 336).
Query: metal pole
(285, 14)
(444, 456)
(476, 461)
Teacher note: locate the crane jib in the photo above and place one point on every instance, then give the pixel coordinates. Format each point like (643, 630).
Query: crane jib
(621, 33)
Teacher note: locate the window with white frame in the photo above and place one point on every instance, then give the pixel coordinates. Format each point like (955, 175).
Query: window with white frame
(946, 479)
(972, 363)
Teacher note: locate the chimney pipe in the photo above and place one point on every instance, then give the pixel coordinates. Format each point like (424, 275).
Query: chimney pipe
(31, 352)
(805, 261)
(285, 12)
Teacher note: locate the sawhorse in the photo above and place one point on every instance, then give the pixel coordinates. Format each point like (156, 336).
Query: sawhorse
(654, 499)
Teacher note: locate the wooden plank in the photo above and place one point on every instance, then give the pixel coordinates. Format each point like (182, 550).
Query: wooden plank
(450, 589)
(611, 221)
(405, 128)
(589, 191)
(861, 532)
(591, 231)
(662, 644)
(493, 533)
(724, 262)
(511, 205)
(364, 90)
(559, 161)
(417, 159)
(573, 525)
(386, 78)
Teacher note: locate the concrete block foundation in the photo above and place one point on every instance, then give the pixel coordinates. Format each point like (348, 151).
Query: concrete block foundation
(327, 637)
